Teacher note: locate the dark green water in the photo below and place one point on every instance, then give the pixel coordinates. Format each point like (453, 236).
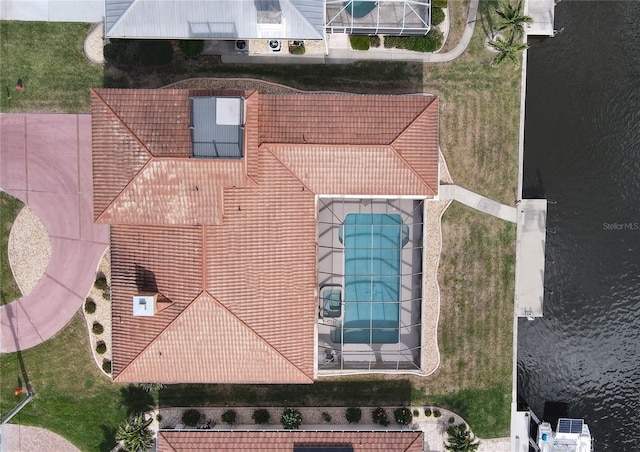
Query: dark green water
(582, 151)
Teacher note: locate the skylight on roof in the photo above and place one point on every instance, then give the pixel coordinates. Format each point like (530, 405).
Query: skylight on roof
(217, 126)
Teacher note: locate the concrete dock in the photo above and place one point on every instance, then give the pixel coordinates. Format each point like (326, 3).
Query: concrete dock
(542, 13)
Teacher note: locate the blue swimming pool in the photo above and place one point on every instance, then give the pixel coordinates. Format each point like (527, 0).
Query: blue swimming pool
(373, 244)
(360, 9)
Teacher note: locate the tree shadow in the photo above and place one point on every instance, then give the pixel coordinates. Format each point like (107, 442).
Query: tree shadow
(486, 12)
(109, 438)
(136, 400)
(145, 280)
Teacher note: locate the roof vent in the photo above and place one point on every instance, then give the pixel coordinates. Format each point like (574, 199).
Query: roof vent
(149, 303)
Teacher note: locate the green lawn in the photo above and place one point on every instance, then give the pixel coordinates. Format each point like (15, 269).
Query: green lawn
(49, 59)
(9, 209)
(72, 397)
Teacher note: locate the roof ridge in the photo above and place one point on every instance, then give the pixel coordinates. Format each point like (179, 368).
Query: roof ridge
(159, 334)
(142, 145)
(392, 145)
(266, 342)
(286, 167)
(413, 442)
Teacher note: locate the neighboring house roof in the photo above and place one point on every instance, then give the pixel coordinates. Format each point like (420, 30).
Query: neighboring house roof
(231, 244)
(214, 19)
(266, 441)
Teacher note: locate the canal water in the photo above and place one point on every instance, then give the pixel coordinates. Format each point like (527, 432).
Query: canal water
(582, 152)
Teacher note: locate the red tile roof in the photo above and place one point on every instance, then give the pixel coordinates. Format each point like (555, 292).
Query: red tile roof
(271, 441)
(232, 243)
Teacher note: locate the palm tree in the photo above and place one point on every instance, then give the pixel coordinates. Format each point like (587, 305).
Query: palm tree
(511, 18)
(135, 434)
(507, 50)
(152, 387)
(461, 439)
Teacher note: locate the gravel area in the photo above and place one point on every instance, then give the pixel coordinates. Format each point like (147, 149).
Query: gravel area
(29, 250)
(101, 315)
(94, 44)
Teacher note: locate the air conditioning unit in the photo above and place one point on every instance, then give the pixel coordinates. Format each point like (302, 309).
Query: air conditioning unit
(241, 46)
(275, 45)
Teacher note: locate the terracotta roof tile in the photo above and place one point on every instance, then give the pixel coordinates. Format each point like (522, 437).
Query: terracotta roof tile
(351, 170)
(150, 259)
(207, 343)
(255, 253)
(336, 118)
(177, 192)
(266, 251)
(418, 144)
(117, 155)
(271, 441)
(158, 117)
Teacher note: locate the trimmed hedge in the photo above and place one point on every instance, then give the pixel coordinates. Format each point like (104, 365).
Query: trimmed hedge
(100, 282)
(139, 52)
(191, 47)
(106, 366)
(360, 42)
(191, 417)
(375, 41)
(296, 49)
(89, 306)
(439, 3)
(429, 43)
(97, 328)
(354, 415)
(101, 348)
(437, 16)
(261, 416)
(229, 417)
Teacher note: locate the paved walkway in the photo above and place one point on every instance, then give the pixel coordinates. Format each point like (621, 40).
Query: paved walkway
(45, 161)
(478, 202)
(22, 438)
(340, 55)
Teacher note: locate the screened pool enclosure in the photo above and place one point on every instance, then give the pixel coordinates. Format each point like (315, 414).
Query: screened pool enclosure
(368, 17)
(370, 255)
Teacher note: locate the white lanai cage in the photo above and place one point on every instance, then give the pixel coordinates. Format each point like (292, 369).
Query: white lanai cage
(369, 17)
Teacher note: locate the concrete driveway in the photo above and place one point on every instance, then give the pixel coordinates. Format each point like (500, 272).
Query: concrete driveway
(45, 161)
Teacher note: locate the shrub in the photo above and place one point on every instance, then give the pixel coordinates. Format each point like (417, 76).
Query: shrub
(229, 417)
(353, 415)
(291, 419)
(139, 52)
(89, 306)
(375, 41)
(326, 416)
(159, 417)
(106, 366)
(296, 49)
(437, 413)
(429, 43)
(100, 282)
(379, 416)
(439, 3)
(403, 416)
(360, 42)
(106, 295)
(437, 16)
(151, 387)
(416, 413)
(452, 420)
(191, 417)
(101, 348)
(191, 47)
(261, 416)
(427, 412)
(97, 328)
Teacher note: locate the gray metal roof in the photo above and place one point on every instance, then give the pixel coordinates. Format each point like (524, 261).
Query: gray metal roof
(215, 19)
